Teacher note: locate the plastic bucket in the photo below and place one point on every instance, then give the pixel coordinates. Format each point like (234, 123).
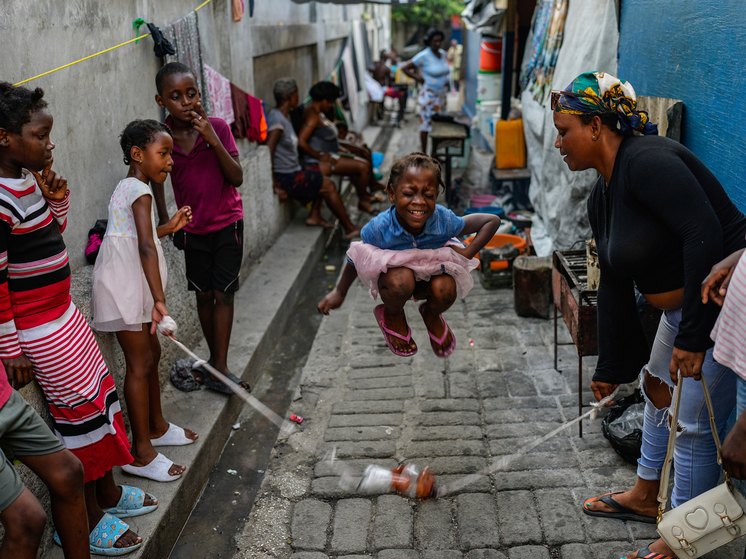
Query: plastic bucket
(377, 158)
(482, 200)
(494, 210)
(488, 86)
(499, 241)
(491, 55)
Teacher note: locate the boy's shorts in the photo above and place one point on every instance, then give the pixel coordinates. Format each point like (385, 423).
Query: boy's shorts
(213, 261)
(22, 433)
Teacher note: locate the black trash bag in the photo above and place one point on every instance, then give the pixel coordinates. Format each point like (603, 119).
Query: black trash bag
(622, 426)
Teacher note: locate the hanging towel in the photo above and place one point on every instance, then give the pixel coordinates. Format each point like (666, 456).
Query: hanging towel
(238, 9)
(184, 36)
(241, 120)
(220, 94)
(254, 134)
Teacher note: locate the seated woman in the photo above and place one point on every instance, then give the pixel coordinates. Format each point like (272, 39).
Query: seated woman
(318, 140)
(661, 219)
(291, 178)
(354, 143)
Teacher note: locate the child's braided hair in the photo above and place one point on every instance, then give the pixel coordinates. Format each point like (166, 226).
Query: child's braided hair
(17, 104)
(418, 160)
(140, 133)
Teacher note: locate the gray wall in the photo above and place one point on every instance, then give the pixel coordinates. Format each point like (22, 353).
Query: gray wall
(93, 101)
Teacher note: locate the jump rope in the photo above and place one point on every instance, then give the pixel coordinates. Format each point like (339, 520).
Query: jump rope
(286, 427)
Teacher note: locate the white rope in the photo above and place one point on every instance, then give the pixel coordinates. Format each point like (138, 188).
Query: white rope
(503, 462)
(286, 427)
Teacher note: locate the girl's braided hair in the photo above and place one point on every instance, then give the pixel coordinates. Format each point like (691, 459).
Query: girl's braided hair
(418, 160)
(17, 104)
(140, 133)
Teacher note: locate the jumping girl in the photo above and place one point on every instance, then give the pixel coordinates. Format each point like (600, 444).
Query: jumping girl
(409, 252)
(128, 293)
(43, 334)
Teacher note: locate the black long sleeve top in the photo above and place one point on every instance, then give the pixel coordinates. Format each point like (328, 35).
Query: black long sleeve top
(662, 222)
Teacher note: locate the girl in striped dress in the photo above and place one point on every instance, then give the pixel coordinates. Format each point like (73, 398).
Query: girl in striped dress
(42, 334)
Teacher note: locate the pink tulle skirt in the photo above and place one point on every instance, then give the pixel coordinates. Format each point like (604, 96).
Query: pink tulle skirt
(370, 262)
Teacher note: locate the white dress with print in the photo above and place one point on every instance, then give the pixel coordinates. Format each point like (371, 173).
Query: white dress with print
(121, 295)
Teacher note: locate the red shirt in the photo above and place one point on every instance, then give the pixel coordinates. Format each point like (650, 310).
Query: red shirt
(199, 182)
(5, 388)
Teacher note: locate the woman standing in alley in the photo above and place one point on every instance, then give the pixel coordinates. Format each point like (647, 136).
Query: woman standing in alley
(432, 63)
(661, 220)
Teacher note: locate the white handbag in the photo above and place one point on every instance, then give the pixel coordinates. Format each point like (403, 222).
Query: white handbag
(707, 521)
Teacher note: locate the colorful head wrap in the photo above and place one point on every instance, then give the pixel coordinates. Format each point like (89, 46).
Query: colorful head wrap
(599, 92)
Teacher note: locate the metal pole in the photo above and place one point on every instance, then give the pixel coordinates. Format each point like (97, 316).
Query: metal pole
(580, 394)
(555, 335)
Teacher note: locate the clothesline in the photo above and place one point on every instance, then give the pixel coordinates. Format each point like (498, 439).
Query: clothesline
(203, 4)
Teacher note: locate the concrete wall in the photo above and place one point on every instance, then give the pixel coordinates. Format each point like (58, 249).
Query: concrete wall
(693, 51)
(93, 101)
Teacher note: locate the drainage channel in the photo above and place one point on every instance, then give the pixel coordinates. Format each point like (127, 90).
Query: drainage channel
(219, 517)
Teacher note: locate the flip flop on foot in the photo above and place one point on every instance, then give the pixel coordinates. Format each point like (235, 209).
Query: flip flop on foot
(387, 333)
(174, 436)
(367, 208)
(437, 343)
(620, 511)
(103, 537)
(319, 223)
(645, 553)
(132, 503)
(219, 386)
(157, 470)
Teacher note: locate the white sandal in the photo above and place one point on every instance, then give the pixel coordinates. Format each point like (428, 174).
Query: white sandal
(174, 436)
(157, 470)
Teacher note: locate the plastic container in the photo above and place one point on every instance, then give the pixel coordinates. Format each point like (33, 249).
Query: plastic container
(510, 144)
(488, 86)
(406, 480)
(494, 210)
(481, 200)
(377, 158)
(498, 241)
(491, 55)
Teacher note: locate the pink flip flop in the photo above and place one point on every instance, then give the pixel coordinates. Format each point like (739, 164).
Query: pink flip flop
(437, 349)
(378, 312)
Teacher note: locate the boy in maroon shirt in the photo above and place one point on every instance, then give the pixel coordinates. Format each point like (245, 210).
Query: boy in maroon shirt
(205, 176)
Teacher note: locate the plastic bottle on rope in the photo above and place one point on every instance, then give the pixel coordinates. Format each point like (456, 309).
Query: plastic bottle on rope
(406, 480)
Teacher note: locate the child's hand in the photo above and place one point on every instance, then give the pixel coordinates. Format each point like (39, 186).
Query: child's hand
(159, 311)
(53, 186)
(182, 217)
(20, 371)
(201, 124)
(333, 300)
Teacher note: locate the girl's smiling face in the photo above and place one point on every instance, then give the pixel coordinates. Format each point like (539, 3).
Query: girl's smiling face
(414, 197)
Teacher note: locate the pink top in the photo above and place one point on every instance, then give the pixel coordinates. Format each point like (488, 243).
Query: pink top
(199, 182)
(5, 388)
(729, 332)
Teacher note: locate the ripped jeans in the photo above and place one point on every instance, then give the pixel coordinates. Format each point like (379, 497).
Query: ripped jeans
(695, 457)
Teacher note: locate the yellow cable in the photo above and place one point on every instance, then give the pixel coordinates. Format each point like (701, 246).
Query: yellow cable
(98, 53)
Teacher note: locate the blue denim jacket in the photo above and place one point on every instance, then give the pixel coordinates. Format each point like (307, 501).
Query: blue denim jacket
(384, 230)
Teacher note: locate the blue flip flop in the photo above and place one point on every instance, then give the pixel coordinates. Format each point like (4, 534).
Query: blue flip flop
(131, 503)
(105, 535)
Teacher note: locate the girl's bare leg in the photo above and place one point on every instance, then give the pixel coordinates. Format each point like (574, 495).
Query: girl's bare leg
(396, 287)
(439, 294)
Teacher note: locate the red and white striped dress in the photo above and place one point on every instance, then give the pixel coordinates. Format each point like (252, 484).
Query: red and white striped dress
(38, 319)
(729, 333)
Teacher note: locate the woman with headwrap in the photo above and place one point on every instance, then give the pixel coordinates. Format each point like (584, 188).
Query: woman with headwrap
(433, 75)
(661, 220)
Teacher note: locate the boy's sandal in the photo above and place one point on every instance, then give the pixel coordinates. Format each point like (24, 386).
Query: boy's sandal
(157, 470)
(174, 436)
(131, 503)
(378, 312)
(105, 535)
(219, 386)
(645, 553)
(437, 343)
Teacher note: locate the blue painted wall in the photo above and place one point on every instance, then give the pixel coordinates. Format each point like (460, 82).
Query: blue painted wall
(694, 50)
